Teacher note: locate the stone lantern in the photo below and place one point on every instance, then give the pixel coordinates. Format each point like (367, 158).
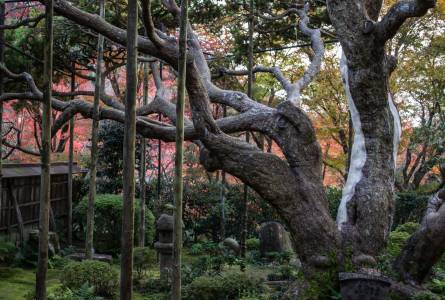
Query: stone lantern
(164, 247)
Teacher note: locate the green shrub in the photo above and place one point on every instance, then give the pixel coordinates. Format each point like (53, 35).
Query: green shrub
(396, 241)
(99, 275)
(334, 197)
(153, 286)
(108, 222)
(410, 207)
(285, 272)
(58, 262)
(85, 292)
(427, 295)
(197, 249)
(228, 286)
(7, 252)
(253, 244)
(280, 257)
(143, 258)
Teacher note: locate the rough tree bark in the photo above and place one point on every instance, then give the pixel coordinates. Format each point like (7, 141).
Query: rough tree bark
(45, 178)
(179, 156)
(126, 288)
(89, 245)
(367, 210)
(291, 184)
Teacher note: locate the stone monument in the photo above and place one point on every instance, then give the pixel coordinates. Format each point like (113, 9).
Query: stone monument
(164, 247)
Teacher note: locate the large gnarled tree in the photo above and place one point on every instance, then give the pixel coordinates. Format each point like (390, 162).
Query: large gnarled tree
(293, 184)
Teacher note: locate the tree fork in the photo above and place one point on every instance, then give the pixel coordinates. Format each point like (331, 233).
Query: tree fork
(45, 178)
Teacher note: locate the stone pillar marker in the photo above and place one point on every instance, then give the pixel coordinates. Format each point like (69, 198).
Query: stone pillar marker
(274, 238)
(164, 246)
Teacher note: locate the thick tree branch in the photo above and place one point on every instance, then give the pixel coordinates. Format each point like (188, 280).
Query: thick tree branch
(397, 15)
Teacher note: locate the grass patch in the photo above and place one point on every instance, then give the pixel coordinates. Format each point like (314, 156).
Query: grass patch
(16, 282)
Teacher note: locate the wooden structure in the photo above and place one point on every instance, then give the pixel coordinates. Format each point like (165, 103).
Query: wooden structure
(19, 207)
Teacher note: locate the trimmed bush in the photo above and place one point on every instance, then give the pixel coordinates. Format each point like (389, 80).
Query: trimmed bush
(7, 252)
(97, 274)
(253, 244)
(143, 258)
(108, 222)
(228, 286)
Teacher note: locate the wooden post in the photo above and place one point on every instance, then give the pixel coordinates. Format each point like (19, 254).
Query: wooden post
(2, 88)
(45, 181)
(143, 162)
(158, 187)
(94, 136)
(126, 287)
(70, 165)
(179, 158)
(250, 95)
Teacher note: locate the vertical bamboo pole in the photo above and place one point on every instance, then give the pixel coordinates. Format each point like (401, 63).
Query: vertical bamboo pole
(158, 187)
(179, 158)
(45, 179)
(250, 94)
(143, 162)
(70, 165)
(223, 194)
(126, 287)
(94, 136)
(2, 89)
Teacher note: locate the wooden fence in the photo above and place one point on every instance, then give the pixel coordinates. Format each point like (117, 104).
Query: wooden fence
(19, 206)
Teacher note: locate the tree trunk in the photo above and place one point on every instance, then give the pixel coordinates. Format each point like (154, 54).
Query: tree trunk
(222, 197)
(143, 163)
(2, 90)
(89, 245)
(45, 178)
(365, 213)
(126, 288)
(70, 166)
(244, 213)
(179, 157)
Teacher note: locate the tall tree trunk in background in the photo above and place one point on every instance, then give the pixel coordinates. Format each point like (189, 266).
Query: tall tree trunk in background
(126, 287)
(2, 88)
(158, 185)
(70, 165)
(143, 169)
(45, 178)
(223, 204)
(94, 136)
(244, 214)
(179, 158)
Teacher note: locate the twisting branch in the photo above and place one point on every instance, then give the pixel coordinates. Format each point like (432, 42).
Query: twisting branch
(397, 15)
(272, 17)
(148, 23)
(293, 90)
